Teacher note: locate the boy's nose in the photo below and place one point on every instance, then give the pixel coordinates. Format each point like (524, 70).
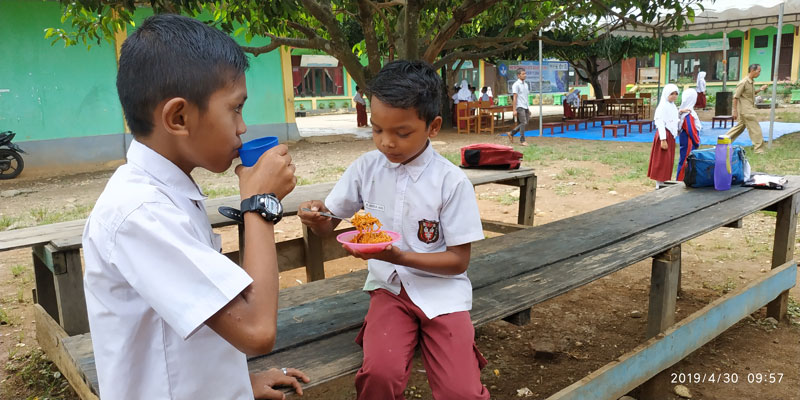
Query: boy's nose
(241, 128)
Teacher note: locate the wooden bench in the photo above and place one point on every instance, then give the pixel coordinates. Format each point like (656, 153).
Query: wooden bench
(722, 119)
(318, 322)
(640, 123)
(602, 119)
(576, 123)
(552, 126)
(614, 128)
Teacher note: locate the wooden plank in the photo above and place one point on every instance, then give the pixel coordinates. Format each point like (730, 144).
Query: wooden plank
(663, 291)
(70, 297)
(69, 233)
(501, 227)
(527, 201)
(45, 284)
(619, 377)
(735, 224)
(314, 255)
(783, 249)
(49, 335)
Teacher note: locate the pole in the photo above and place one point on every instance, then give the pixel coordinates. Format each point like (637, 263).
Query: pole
(658, 91)
(775, 76)
(724, 61)
(541, 71)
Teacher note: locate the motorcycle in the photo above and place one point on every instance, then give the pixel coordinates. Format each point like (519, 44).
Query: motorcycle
(11, 163)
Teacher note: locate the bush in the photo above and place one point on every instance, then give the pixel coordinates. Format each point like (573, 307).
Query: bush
(346, 104)
(321, 106)
(302, 107)
(332, 105)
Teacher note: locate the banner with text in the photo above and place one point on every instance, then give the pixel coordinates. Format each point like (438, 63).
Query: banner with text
(554, 75)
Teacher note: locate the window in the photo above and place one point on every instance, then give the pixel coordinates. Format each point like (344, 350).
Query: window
(317, 81)
(760, 42)
(683, 67)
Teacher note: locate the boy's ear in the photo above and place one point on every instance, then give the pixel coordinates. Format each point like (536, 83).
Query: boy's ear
(174, 116)
(434, 127)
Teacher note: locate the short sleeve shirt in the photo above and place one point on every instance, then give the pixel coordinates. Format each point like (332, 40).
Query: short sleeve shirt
(432, 204)
(154, 274)
(746, 93)
(520, 88)
(360, 100)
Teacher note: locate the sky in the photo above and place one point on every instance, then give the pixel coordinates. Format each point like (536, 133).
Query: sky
(721, 5)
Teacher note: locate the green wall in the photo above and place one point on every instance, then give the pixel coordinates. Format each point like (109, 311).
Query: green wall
(764, 55)
(53, 92)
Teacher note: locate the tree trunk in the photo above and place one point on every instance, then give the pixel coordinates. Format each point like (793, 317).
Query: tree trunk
(594, 80)
(446, 110)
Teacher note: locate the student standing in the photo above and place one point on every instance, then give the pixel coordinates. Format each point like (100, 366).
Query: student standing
(701, 90)
(361, 108)
(521, 111)
(689, 136)
(662, 153)
(420, 295)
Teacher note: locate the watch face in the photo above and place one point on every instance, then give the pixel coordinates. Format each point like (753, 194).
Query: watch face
(272, 205)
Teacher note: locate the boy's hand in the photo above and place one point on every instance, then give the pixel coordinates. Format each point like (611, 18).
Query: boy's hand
(263, 383)
(390, 254)
(664, 145)
(312, 218)
(272, 173)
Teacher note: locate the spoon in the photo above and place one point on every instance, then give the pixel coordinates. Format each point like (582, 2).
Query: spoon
(326, 214)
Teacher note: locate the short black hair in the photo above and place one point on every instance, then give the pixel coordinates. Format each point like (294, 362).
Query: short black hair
(173, 56)
(409, 84)
(753, 67)
(485, 88)
(357, 88)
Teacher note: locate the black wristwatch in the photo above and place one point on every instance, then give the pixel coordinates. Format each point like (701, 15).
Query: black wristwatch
(267, 205)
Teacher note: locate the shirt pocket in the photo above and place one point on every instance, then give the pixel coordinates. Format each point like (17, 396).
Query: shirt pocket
(425, 235)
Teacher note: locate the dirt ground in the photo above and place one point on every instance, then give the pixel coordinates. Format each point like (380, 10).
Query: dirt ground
(586, 328)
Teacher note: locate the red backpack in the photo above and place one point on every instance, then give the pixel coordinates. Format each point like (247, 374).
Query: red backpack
(491, 156)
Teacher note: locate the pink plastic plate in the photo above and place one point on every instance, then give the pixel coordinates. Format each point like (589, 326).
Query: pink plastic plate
(345, 239)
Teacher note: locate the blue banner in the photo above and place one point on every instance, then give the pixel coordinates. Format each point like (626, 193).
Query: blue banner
(555, 75)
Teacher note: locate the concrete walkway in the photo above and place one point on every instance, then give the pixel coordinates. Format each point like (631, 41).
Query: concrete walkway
(345, 124)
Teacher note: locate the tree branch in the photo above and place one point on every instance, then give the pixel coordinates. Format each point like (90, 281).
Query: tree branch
(275, 42)
(370, 37)
(389, 4)
(466, 11)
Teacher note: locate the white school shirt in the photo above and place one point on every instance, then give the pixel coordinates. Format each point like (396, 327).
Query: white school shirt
(520, 88)
(432, 204)
(154, 274)
(360, 100)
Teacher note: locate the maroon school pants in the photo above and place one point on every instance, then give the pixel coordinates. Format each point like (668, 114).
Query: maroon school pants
(392, 329)
(361, 115)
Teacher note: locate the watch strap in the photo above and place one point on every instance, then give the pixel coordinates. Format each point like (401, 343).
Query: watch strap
(231, 213)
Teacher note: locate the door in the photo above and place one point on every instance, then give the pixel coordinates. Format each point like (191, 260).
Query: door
(785, 61)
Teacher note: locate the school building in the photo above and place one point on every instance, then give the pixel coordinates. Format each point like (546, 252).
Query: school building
(720, 43)
(63, 104)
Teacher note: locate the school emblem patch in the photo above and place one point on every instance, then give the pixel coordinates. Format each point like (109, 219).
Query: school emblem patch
(428, 231)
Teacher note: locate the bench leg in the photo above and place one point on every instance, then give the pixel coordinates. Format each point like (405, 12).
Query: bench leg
(315, 260)
(661, 312)
(783, 250)
(59, 287)
(735, 224)
(527, 201)
(519, 319)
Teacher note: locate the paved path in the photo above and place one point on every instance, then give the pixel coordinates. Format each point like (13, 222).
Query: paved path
(345, 124)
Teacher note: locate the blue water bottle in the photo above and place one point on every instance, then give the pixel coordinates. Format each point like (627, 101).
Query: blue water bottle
(722, 164)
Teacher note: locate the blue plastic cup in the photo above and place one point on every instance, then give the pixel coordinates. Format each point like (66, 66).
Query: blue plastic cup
(251, 151)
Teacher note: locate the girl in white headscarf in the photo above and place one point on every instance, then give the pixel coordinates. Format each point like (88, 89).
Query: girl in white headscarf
(489, 92)
(701, 90)
(667, 122)
(689, 136)
(463, 95)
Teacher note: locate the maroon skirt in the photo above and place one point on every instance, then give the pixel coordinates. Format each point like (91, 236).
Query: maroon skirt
(701, 100)
(661, 161)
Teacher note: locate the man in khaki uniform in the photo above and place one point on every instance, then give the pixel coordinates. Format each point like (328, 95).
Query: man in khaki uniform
(744, 109)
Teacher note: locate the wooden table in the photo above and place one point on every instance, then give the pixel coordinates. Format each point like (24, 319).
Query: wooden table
(640, 123)
(510, 274)
(495, 110)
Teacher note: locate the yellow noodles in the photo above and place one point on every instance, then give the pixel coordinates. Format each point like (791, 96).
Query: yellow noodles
(368, 229)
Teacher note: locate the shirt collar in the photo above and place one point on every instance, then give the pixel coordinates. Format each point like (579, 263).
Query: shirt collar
(418, 165)
(749, 80)
(163, 170)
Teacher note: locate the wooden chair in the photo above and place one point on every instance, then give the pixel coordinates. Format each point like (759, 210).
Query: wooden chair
(485, 118)
(463, 111)
(646, 101)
